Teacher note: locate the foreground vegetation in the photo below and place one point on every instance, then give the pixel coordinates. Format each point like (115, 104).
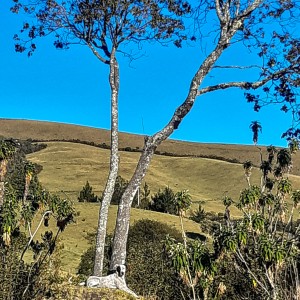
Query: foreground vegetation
(256, 248)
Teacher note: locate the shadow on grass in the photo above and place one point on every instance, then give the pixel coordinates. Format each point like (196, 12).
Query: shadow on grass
(196, 236)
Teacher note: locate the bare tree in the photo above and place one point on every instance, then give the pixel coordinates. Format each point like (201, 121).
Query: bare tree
(103, 26)
(265, 28)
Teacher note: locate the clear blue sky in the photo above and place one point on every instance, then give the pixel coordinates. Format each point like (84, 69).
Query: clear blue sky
(72, 87)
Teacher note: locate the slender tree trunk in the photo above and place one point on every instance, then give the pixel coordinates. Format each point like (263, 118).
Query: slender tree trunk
(122, 225)
(113, 170)
(151, 143)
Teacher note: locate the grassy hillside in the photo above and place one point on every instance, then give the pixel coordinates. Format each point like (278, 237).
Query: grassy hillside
(67, 166)
(25, 129)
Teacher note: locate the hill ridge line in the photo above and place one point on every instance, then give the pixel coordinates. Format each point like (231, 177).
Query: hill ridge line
(42, 130)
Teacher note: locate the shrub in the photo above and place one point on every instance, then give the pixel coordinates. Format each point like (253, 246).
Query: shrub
(149, 271)
(164, 201)
(120, 187)
(198, 215)
(87, 195)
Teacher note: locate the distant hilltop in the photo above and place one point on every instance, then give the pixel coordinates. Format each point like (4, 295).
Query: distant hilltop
(51, 131)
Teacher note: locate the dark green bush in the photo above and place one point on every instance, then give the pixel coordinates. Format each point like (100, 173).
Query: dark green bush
(149, 271)
(87, 195)
(198, 215)
(164, 201)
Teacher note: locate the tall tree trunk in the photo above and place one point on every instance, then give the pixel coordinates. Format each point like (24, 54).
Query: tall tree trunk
(122, 225)
(151, 143)
(113, 170)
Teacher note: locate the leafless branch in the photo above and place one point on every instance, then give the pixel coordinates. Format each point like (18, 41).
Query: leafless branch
(238, 67)
(243, 84)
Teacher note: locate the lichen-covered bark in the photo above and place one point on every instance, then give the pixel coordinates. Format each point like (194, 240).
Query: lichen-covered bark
(113, 170)
(228, 29)
(123, 217)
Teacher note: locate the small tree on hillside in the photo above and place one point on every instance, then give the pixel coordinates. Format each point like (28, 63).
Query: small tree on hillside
(164, 201)
(120, 187)
(144, 195)
(87, 195)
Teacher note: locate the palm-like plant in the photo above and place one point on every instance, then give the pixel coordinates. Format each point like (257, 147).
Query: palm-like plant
(265, 167)
(183, 201)
(256, 128)
(293, 145)
(284, 159)
(284, 186)
(271, 151)
(296, 197)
